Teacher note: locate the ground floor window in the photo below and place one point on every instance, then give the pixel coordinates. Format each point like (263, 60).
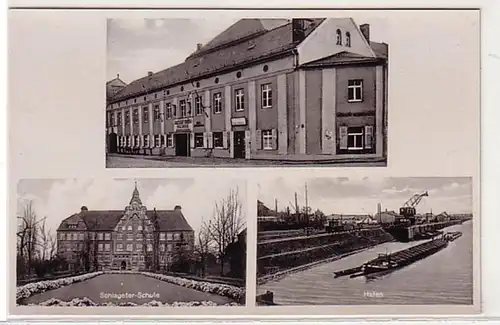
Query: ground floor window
(162, 139)
(157, 140)
(146, 141)
(137, 141)
(218, 140)
(267, 139)
(129, 141)
(355, 138)
(198, 140)
(170, 140)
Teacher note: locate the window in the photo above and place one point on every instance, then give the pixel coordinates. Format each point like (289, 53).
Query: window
(177, 236)
(157, 112)
(170, 140)
(100, 248)
(198, 109)
(75, 236)
(217, 103)
(182, 105)
(112, 119)
(129, 141)
(129, 228)
(267, 96)
(239, 99)
(162, 248)
(119, 237)
(267, 139)
(198, 140)
(157, 140)
(162, 140)
(168, 108)
(137, 141)
(218, 140)
(145, 115)
(355, 90)
(138, 247)
(170, 236)
(339, 37)
(139, 236)
(169, 247)
(129, 247)
(136, 116)
(162, 236)
(100, 236)
(150, 248)
(107, 247)
(130, 237)
(127, 117)
(355, 138)
(107, 236)
(139, 228)
(81, 236)
(348, 39)
(146, 140)
(119, 118)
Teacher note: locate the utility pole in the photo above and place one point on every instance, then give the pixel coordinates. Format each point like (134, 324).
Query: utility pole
(276, 205)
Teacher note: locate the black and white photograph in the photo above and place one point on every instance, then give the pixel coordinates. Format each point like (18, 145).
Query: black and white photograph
(125, 242)
(365, 241)
(246, 92)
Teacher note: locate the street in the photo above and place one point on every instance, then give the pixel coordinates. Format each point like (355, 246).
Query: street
(144, 289)
(126, 161)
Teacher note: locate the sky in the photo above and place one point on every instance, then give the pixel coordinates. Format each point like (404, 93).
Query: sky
(58, 199)
(361, 195)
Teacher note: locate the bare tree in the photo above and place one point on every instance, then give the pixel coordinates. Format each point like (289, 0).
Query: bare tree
(226, 223)
(202, 247)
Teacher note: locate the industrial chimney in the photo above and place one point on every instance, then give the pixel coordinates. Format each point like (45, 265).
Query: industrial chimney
(365, 30)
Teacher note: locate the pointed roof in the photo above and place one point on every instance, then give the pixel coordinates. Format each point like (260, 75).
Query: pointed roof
(135, 196)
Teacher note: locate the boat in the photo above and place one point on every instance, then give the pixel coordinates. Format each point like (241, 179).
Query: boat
(390, 262)
(451, 236)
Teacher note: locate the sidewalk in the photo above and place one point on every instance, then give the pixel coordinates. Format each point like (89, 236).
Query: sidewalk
(296, 160)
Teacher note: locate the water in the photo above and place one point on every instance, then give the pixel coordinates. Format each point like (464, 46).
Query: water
(442, 278)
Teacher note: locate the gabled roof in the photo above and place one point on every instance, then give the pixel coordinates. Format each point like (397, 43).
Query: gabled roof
(244, 28)
(114, 86)
(170, 220)
(106, 220)
(342, 58)
(263, 211)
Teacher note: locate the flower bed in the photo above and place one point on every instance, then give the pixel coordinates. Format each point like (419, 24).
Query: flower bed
(30, 289)
(86, 302)
(225, 290)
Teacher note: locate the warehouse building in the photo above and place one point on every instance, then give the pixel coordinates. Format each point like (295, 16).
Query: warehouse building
(263, 89)
(133, 238)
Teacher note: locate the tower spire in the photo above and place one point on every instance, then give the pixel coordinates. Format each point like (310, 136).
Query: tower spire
(135, 195)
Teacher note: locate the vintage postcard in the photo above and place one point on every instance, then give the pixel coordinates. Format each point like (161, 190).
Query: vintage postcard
(366, 241)
(246, 92)
(124, 242)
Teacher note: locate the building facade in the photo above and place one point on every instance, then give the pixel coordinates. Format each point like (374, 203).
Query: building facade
(263, 89)
(133, 238)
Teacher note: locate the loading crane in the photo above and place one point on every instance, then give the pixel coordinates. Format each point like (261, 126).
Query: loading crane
(408, 210)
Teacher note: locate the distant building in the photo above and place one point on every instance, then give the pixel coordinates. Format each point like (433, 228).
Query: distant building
(114, 86)
(263, 88)
(133, 238)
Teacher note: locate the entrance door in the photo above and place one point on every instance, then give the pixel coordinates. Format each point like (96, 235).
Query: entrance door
(239, 144)
(123, 265)
(112, 143)
(182, 144)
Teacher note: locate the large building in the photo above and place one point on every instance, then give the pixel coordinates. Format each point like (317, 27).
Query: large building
(263, 89)
(133, 238)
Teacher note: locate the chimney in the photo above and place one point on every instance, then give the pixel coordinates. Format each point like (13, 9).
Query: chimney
(84, 208)
(177, 208)
(365, 30)
(198, 46)
(298, 30)
(150, 73)
(117, 76)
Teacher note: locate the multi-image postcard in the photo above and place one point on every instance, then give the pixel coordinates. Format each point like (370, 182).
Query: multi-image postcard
(244, 163)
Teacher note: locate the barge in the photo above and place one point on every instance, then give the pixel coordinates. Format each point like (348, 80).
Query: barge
(385, 263)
